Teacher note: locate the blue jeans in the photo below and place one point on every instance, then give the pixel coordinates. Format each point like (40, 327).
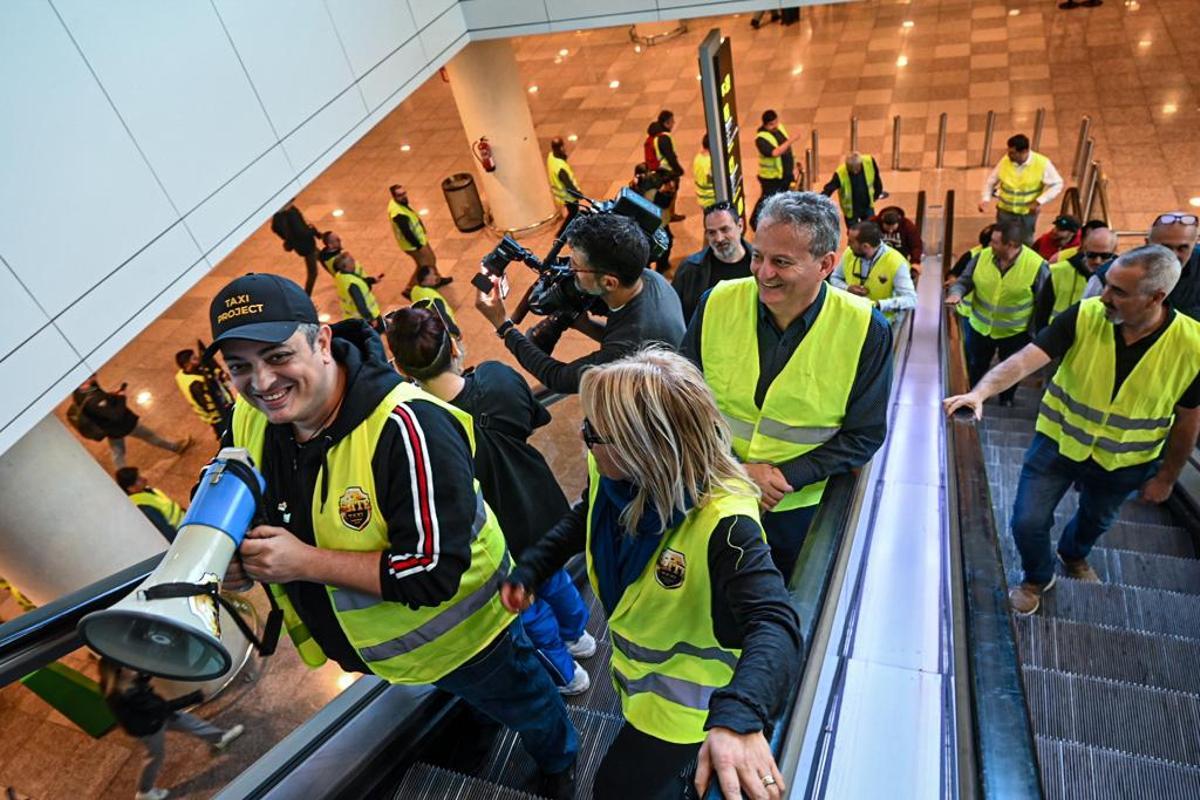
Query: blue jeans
(786, 531)
(1045, 478)
(980, 349)
(508, 684)
(557, 617)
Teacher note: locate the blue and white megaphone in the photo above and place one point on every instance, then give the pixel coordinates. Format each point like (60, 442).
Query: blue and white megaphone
(170, 625)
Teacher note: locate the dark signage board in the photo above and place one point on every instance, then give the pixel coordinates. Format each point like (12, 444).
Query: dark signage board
(720, 114)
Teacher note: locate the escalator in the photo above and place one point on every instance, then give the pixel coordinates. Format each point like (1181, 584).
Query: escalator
(1104, 674)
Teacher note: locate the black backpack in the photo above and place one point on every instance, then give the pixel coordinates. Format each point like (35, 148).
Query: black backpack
(80, 421)
(140, 710)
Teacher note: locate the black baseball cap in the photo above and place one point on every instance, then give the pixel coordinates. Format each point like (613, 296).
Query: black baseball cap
(259, 307)
(1065, 223)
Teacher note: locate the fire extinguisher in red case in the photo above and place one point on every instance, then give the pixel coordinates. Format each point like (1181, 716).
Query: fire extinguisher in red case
(483, 154)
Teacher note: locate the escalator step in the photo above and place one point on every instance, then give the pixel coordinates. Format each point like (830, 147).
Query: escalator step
(1146, 569)
(509, 765)
(1074, 772)
(1147, 659)
(1149, 538)
(1133, 608)
(602, 696)
(1116, 716)
(425, 782)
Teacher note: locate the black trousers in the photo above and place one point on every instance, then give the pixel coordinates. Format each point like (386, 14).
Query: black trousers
(638, 765)
(769, 187)
(980, 349)
(572, 212)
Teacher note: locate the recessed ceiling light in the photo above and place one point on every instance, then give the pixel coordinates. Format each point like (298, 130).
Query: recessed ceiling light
(1014, 12)
(613, 84)
(1195, 201)
(564, 52)
(533, 89)
(404, 148)
(1145, 42)
(796, 70)
(572, 138)
(323, 317)
(902, 61)
(637, 48)
(337, 212)
(346, 680)
(1170, 108)
(144, 398)
(558, 59)
(908, 23)
(424, 212)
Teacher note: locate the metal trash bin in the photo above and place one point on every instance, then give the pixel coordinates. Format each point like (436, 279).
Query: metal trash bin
(462, 197)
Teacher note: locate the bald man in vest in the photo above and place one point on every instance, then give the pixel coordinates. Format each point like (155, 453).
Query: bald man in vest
(1120, 415)
(1021, 184)
(858, 184)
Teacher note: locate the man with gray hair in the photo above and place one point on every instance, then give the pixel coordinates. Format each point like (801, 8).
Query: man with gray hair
(1121, 413)
(1178, 232)
(813, 402)
(858, 184)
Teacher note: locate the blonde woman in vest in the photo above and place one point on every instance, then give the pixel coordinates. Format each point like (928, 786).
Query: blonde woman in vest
(1120, 415)
(705, 643)
(1003, 282)
(378, 547)
(1021, 184)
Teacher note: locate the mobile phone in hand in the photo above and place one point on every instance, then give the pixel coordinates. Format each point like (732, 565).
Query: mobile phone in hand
(482, 282)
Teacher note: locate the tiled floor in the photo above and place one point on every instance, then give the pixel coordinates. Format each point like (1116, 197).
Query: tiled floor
(1122, 63)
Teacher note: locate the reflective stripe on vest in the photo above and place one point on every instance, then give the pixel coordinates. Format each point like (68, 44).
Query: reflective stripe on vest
(396, 209)
(666, 660)
(846, 192)
(880, 282)
(429, 293)
(207, 412)
(963, 308)
(555, 165)
(1003, 304)
(153, 498)
(343, 281)
(1017, 190)
(706, 193)
(1079, 412)
(805, 404)
(1068, 286)
(771, 167)
(398, 643)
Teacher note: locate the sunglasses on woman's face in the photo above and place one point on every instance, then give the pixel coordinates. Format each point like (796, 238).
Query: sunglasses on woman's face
(590, 437)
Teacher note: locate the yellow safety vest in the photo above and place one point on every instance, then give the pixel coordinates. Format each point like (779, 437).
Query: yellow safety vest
(771, 167)
(1018, 190)
(706, 193)
(1065, 254)
(805, 405)
(846, 193)
(881, 281)
(963, 308)
(666, 660)
(429, 293)
(208, 413)
(343, 281)
(394, 210)
(398, 643)
(332, 270)
(1079, 411)
(160, 502)
(554, 165)
(1068, 286)
(1003, 304)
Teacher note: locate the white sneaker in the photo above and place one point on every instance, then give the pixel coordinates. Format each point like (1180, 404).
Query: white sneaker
(583, 647)
(230, 735)
(579, 684)
(153, 794)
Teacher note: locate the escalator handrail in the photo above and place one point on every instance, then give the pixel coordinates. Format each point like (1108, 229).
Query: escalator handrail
(998, 755)
(47, 633)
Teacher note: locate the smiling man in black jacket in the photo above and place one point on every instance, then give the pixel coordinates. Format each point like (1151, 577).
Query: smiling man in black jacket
(379, 546)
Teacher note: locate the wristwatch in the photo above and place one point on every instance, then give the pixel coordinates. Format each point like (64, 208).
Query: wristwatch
(505, 327)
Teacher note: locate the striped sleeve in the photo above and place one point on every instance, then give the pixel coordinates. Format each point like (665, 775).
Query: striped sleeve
(425, 473)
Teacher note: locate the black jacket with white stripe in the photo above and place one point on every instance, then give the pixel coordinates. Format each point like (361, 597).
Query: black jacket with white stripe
(430, 546)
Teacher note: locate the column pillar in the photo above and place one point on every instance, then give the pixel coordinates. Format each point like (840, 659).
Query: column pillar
(493, 101)
(64, 523)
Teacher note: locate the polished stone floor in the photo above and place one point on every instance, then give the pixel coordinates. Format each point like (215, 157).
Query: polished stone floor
(1122, 64)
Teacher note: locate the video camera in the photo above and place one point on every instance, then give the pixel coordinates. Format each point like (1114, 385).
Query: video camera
(554, 294)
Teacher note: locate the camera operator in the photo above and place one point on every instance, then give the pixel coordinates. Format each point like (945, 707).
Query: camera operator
(609, 254)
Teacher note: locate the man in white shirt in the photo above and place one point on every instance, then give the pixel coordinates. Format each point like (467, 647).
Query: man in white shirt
(870, 268)
(1021, 184)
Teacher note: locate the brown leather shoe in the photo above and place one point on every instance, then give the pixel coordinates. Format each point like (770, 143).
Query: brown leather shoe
(1079, 569)
(1027, 598)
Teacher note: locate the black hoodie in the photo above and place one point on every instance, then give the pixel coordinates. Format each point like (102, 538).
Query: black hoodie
(430, 542)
